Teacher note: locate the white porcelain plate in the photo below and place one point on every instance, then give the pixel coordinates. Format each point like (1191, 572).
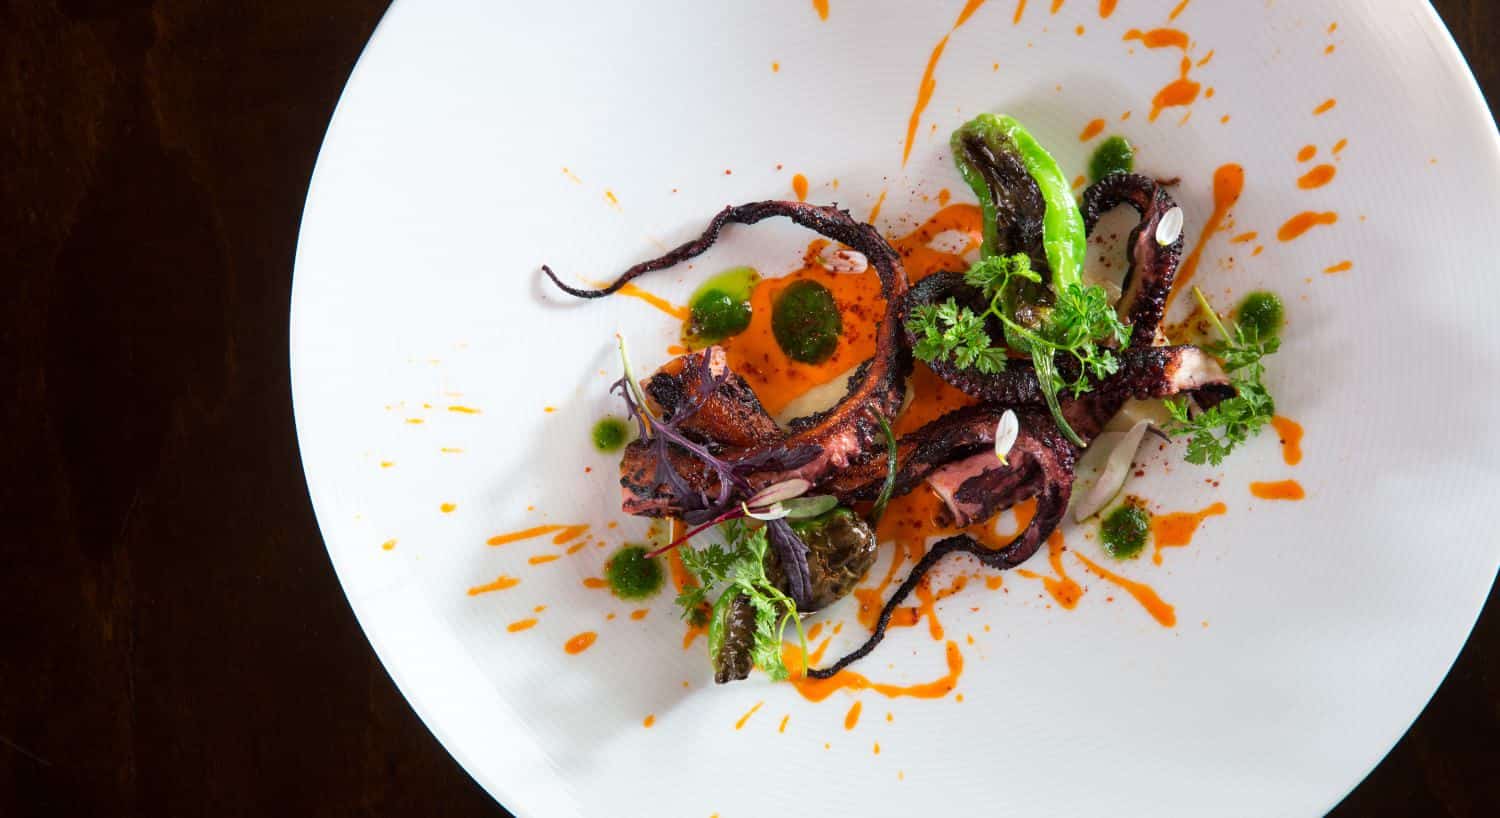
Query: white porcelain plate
(444, 393)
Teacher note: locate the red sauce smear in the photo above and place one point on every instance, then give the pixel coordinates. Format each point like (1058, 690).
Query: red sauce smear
(1307, 153)
(1164, 614)
(1229, 184)
(1177, 529)
(1290, 432)
(1280, 490)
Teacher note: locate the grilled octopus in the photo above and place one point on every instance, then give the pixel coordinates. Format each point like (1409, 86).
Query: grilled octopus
(841, 449)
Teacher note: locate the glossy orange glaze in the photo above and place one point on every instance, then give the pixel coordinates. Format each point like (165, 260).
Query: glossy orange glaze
(1298, 225)
(1178, 93)
(1317, 177)
(1341, 267)
(1062, 588)
(1164, 614)
(1106, 8)
(819, 689)
(1229, 184)
(1327, 106)
(521, 625)
(852, 717)
(799, 186)
(1160, 38)
(745, 718)
(680, 313)
(580, 643)
(1093, 129)
(501, 583)
(1290, 432)
(1176, 530)
(1280, 490)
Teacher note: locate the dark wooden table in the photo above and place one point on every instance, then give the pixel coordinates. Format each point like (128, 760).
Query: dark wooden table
(172, 638)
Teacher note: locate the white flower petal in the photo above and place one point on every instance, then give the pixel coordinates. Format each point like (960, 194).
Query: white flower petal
(1169, 229)
(1005, 434)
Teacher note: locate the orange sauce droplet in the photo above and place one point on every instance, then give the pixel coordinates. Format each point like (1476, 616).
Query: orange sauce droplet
(1229, 184)
(784, 720)
(1330, 49)
(1164, 614)
(1245, 237)
(1062, 588)
(875, 210)
(415, 421)
(613, 200)
(1317, 177)
(447, 508)
(679, 313)
(1327, 106)
(852, 717)
(943, 196)
(451, 450)
(1280, 490)
(1057, 5)
(1106, 8)
(1178, 93)
(1339, 146)
(1290, 432)
(388, 545)
(799, 187)
(580, 643)
(639, 613)
(541, 559)
(594, 582)
(1341, 267)
(464, 410)
(649, 720)
(1181, 7)
(1176, 530)
(1020, 12)
(924, 96)
(1093, 129)
(521, 625)
(1160, 38)
(745, 718)
(819, 689)
(775, 67)
(1307, 153)
(1303, 222)
(501, 583)
(569, 532)
(821, 7)
(386, 464)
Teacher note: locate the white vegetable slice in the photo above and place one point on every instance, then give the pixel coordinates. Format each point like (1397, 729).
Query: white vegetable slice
(785, 490)
(1005, 434)
(1118, 458)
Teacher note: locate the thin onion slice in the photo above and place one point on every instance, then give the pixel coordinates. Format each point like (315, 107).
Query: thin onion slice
(775, 493)
(1111, 481)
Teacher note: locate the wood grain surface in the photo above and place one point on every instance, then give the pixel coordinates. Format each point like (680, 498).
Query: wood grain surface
(173, 640)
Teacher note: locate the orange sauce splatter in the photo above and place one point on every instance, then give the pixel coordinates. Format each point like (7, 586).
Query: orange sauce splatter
(875, 210)
(1339, 146)
(1178, 93)
(924, 96)
(1341, 267)
(819, 689)
(1207, 58)
(852, 717)
(640, 613)
(1176, 530)
(1307, 153)
(775, 67)
(386, 464)
(567, 533)
(745, 718)
(1330, 49)
(1057, 5)
(1280, 490)
(799, 187)
(1106, 8)
(1164, 614)
(677, 349)
(501, 583)
(541, 559)
(1020, 12)
(613, 200)
(580, 643)
(451, 450)
(784, 720)
(1303, 222)
(388, 545)
(521, 625)
(821, 7)
(1160, 38)
(1290, 432)
(943, 196)
(649, 720)
(1079, 181)
(415, 421)
(1327, 106)
(464, 410)
(1093, 129)
(1229, 183)
(447, 508)
(1245, 238)
(1061, 587)
(1181, 7)
(572, 177)
(595, 583)
(1317, 177)
(680, 313)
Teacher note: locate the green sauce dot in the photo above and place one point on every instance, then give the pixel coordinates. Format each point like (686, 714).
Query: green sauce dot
(1124, 531)
(632, 574)
(806, 322)
(717, 315)
(1261, 312)
(610, 434)
(1115, 155)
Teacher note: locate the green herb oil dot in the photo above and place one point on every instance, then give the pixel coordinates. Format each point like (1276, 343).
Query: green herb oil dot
(720, 307)
(610, 434)
(806, 322)
(1262, 312)
(1124, 531)
(632, 574)
(1115, 155)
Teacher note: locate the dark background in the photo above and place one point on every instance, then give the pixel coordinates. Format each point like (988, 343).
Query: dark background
(172, 637)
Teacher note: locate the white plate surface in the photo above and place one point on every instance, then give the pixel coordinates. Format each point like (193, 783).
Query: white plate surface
(441, 189)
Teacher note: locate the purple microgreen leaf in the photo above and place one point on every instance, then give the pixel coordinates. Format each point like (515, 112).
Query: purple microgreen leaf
(792, 552)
